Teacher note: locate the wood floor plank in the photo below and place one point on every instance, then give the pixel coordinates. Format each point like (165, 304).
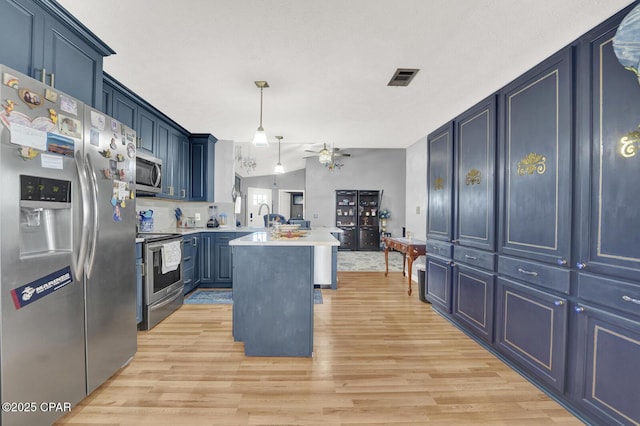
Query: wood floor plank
(380, 357)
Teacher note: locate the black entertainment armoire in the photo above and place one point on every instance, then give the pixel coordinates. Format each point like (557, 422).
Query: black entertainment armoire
(357, 216)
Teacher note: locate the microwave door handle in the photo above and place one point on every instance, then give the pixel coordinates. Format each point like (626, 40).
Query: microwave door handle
(93, 189)
(78, 263)
(156, 176)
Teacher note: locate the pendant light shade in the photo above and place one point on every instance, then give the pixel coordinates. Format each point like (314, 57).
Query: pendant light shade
(279, 168)
(260, 138)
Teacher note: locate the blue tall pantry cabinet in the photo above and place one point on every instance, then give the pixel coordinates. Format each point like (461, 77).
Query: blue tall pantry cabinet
(549, 280)
(439, 217)
(607, 262)
(535, 142)
(474, 231)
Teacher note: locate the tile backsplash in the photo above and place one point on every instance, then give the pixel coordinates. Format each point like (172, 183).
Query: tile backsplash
(164, 218)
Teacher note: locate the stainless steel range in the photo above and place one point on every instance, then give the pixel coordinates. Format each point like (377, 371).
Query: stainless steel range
(163, 286)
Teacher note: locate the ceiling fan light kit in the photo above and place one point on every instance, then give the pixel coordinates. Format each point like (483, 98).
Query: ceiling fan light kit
(325, 155)
(260, 138)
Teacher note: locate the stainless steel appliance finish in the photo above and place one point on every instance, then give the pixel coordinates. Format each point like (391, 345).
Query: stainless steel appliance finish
(148, 174)
(162, 292)
(67, 248)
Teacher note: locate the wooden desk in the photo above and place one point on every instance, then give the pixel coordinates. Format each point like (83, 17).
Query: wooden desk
(410, 248)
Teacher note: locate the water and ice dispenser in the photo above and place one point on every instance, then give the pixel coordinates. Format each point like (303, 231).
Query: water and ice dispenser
(45, 216)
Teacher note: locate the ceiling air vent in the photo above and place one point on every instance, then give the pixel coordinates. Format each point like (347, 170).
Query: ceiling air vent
(403, 76)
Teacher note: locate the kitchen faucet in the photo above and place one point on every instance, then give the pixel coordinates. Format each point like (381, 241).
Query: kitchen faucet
(268, 212)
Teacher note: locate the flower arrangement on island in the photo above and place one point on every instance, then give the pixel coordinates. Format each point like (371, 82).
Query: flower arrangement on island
(385, 214)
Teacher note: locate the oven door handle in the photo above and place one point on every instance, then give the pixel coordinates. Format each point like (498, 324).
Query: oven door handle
(172, 296)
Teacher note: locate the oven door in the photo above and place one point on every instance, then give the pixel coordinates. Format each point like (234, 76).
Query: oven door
(158, 285)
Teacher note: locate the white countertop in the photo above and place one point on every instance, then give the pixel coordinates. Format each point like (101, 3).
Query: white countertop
(189, 231)
(313, 237)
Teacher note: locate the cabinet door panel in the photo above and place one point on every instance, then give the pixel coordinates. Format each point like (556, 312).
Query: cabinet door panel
(223, 258)
(532, 330)
(76, 66)
(22, 23)
(537, 139)
(146, 129)
(438, 275)
(613, 243)
(475, 153)
(206, 253)
(439, 183)
(473, 301)
(610, 379)
(124, 109)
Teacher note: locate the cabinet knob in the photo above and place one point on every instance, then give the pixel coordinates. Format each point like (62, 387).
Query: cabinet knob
(578, 309)
(559, 302)
(561, 262)
(581, 265)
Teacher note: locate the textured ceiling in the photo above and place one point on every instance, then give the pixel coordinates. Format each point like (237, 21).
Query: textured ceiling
(328, 62)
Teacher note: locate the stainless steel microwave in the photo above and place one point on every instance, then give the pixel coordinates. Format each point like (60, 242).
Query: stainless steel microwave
(148, 174)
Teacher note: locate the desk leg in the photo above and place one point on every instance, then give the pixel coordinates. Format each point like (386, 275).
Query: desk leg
(410, 265)
(386, 260)
(404, 261)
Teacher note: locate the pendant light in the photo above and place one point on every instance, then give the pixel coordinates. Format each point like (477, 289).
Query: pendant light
(260, 138)
(279, 168)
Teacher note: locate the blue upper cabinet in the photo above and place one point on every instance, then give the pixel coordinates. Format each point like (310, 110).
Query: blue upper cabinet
(440, 183)
(202, 166)
(536, 140)
(610, 159)
(50, 45)
(475, 148)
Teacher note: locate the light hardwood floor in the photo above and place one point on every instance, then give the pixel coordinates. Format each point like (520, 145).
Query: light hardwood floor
(381, 357)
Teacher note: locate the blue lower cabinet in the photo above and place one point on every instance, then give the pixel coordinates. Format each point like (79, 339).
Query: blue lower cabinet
(216, 260)
(531, 330)
(139, 295)
(191, 272)
(473, 300)
(610, 346)
(223, 260)
(438, 275)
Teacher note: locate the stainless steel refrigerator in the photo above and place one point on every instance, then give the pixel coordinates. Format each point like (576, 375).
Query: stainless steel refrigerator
(67, 250)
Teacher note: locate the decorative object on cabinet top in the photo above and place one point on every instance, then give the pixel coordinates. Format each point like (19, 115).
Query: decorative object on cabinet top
(532, 163)
(626, 42)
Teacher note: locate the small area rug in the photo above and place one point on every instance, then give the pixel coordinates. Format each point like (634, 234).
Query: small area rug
(225, 297)
(368, 261)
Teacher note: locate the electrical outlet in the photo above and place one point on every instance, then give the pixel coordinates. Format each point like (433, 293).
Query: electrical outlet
(316, 215)
(417, 209)
(197, 216)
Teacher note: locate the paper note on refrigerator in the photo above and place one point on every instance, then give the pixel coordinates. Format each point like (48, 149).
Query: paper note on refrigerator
(27, 136)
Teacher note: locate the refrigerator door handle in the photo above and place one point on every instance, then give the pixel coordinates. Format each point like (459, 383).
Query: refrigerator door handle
(78, 263)
(94, 215)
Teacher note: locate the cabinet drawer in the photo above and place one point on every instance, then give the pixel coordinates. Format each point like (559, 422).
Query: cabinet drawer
(439, 248)
(475, 257)
(614, 294)
(542, 275)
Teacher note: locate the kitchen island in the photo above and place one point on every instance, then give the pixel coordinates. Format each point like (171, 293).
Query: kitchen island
(273, 292)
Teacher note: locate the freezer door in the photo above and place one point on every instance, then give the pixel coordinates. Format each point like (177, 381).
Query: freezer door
(41, 301)
(111, 262)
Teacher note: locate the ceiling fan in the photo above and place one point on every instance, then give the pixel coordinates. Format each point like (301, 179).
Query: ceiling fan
(326, 155)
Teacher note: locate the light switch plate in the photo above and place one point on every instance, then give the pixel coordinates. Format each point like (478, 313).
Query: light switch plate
(197, 216)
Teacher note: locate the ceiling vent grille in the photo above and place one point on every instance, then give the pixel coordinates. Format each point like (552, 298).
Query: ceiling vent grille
(403, 76)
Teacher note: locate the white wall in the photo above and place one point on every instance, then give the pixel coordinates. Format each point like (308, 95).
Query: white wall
(224, 173)
(416, 185)
(366, 169)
